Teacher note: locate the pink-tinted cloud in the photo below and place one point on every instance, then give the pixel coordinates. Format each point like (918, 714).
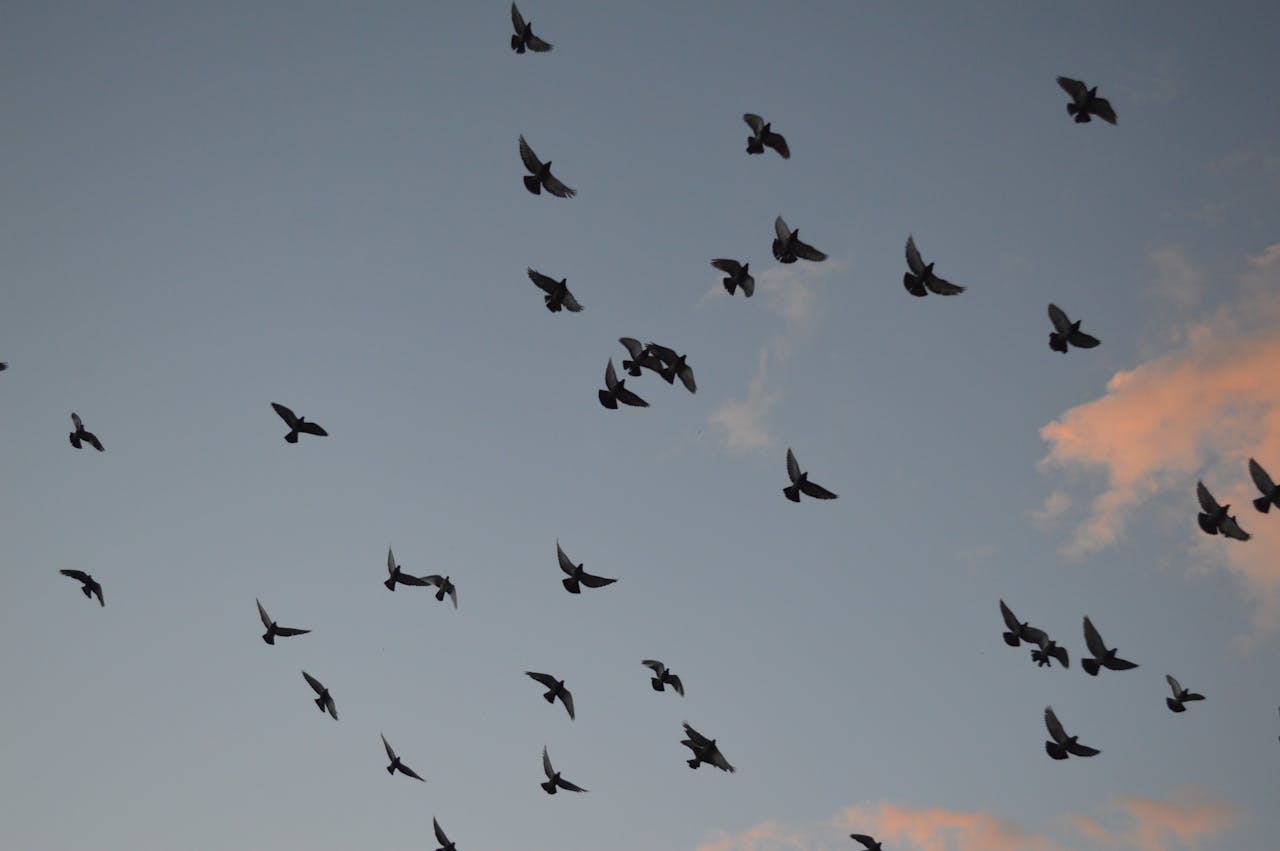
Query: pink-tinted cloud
(1192, 816)
(939, 829)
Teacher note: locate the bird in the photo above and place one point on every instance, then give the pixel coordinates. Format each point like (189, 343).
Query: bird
(396, 764)
(641, 357)
(800, 483)
(88, 585)
(557, 293)
(1102, 657)
(1019, 631)
(445, 844)
(524, 39)
(81, 435)
(325, 700)
(1085, 102)
(554, 779)
(578, 576)
(398, 576)
(921, 280)
(1062, 744)
(1065, 331)
(3, 366)
(787, 246)
(297, 425)
(674, 365)
(1050, 650)
(762, 136)
(662, 675)
(445, 585)
(1180, 695)
(539, 176)
(1214, 520)
(868, 843)
(739, 276)
(1270, 491)
(616, 391)
(704, 750)
(555, 688)
(272, 629)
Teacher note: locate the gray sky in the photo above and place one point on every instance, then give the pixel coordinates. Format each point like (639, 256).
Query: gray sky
(210, 207)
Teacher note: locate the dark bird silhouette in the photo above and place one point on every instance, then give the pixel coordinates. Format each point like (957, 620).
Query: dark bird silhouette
(1085, 102)
(554, 780)
(396, 576)
(1019, 631)
(445, 585)
(800, 483)
(1180, 695)
(88, 585)
(1215, 520)
(616, 391)
(297, 425)
(3, 366)
(868, 843)
(396, 764)
(1102, 656)
(1065, 331)
(739, 276)
(1270, 492)
(445, 844)
(578, 576)
(555, 688)
(80, 434)
(704, 750)
(673, 366)
(557, 293)
(641, 357)
(539, 176)
(762, 136)
(662, 675)
(1062, 744)
(524, 39)
(273, 629)
(325, 700)
(1050, 650)
(787, 246)
(921, 280)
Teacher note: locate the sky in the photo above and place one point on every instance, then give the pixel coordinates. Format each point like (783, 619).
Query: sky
(212, 207)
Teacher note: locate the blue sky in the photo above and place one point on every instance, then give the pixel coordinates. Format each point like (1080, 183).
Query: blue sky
(213, 207)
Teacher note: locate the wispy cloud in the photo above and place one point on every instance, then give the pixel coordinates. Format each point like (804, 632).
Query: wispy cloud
(1177, 278)
(743, 421)
(1051, 512)
(1191, 816)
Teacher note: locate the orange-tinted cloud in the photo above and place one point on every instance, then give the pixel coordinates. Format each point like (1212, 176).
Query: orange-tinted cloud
(938, 829)
(1191, 816)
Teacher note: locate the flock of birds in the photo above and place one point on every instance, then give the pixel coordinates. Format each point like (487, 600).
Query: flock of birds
(919, 280)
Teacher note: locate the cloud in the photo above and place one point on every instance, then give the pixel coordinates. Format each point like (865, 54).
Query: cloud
(743, 421)
(1177, 278)
(1047, 516)
(1192, 815)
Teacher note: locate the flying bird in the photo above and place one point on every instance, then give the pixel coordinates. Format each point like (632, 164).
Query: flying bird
(1065, 331)
(396, 576)
(616, 391)
(81, 435)
(555, 688)
(1214, 520)
(739, 276)
(787, 246)
(662, 675)
(1085, 102)
(524, 39)
(554, 779)
(1050, 650)
(762, 136)
(557, 293)
(1270, 491)
(3, 366)
(445, 585)
(1062, 744)
(1019, 631)
(297, 425)
(396, 764)
(325, 700)
(1102, 657)
(539, 176)
(800, 483)
(445, 844)
(641, 357)
(273, 629)
(868, 843)
(578, 576)
(921, 280)
(704, 750)
(674, 365)
(1180, 695)
(88, 585)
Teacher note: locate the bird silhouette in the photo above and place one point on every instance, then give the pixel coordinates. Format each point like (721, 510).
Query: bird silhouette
(539, 176)
(1061, 744)
(1180, 695)
(1065, 331)
(297, 425)
(787, 246)
(739, 276)
(445, 844)
(641, 357)
(704, 750)
(1018, 631)
(1215, 520)
(396, 764)
(616, 391)
(577, 575)
(800, 483)
(868, 843)
(554, 780)
(1050, 650)
(1270, 491)
(1102, 656)
(273, 629)
(557, 293)
(555, 688)
(325, 700)
(396, 576)
(673, 366)
(1085, 102)
(662, 676)
(445, 585)
(88, 585)
(80, 434)
(921, 280)
(762, 136)
(524, 39)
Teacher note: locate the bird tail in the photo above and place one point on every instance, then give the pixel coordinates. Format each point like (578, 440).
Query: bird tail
(571, 584)
(516, 44)
(320, 703)
(552, 305)
(1090, 666)
(656, 683)
(549, 697)
(754, 147)
(440, 594)
(291, 437)
(1263, 503)
(695, 762)
(792, 493)
(548, 787)
(391, 769)
(1207, 524)
(391, 584)
(268, 637)
(1055, 750)
(1175, 705)
(1057, 342)
(84, 589)
(632, 368)
(609, 401)
(1010, 639)
(1082, 117)
(531, 182)
(729, 285)
(1072, 109)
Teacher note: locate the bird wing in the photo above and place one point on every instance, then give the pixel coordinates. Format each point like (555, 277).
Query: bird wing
(914, 263)
(657, 667)
(793, 467)
(287, 631)
(1232, 529)
(289, 417)
(528, 157)
(1009, 619)
(544, 283)
(864, 839)
(93, 440)
(1031, 635)
(546, 763)
(96, 588)
(1260, 478)
(391, 754)
(556, 188)
(667, 356)
(262, 613)
(517, 20)
(1075, 88)
(570, 303)
(674, 680)
(779, 144)
(1093, 640)
(1207, 502)
(610, 377)
(537, 45)
(592, 581)
(717, 759)
(1054, 725)
(391, 561)
(565, 564)
(755, 122)
(546, 679)
(780, 228)
(567, 699)
(1081, 340)
(1101, 107)
(699, 740)
(815, 490)
(1173, 684)
(77, 422)
(406, 579)
(633, 347)
(434, 579)
(1081, 750)
(315, 684)
(78, 575)
(572, 787)
(686, 378)
(1061, 323)
(404, 769)
(626, 397)
(435, 825)
(731, 267)
(312, 428)
(942, 286)
(332, 707)
(748, 286)
(805, 251)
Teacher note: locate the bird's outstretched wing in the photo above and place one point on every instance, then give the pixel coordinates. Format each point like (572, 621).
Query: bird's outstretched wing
(1207, 502)
(781, 230)
(262, 613)
(546, 679)
(1260, 478)
(529, 158)
(289, 417)
(312, 428)
(78, 575)
(76, 421)
(942, 286)
(656, 666)
(570, 303)
(592, 581)
(537, 45)
(805, 251)
(435, 825)
(391, 754)
(1075, 88)
(1232, 529)
(1093, 640)
(793, 467)
(778, 143)
(1173, 684)
(546, 764)
(698, 739)
(610, 376)
(556, 188)
(571, 787)
(1081, 340)
(1010, 620)
(1101, 107)
(315, 684)
(1054, 726)
(1061, 323)
(546, 284)
(729, 267)
(816, 490)
(914, 262)
(517, 20)
(755, 122)
(565, 564)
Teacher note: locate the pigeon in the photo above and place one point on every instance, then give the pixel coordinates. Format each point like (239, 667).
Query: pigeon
(868, 843)
(88, 585)
(661, 676)
(3, 366)
(524, 39)
(553, 777)
(81, 435)
(325, 700)
(1019, 631)
(920, 281)
(704, 750)
(616, 391)
(539, 176)
(445, 844)
(1063, 744)
(739, 276)
(272, 629)
(555, 689)
(1085, 102)
(787, 246)
(297, 424)
(445, 585)
(674, 365)
(578, 576)
(557, 293)
(1270, 491)
(396, 764)
(1050, 650)
(398, 576)
(1065, 331)
(1180, 695)
(641, 356)
(1214, 519)
(800, 483)
(762, 136)
(1101, 655)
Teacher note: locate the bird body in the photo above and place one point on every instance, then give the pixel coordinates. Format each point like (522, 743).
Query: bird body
(673, 366)
(554, 780)
(868, 843)
(88, 585)
(396, 763)
(555, 689)
(704, 750)
(1019, 631)
(397, 576)
(325, 700)
(1180, 695)
(445, 585)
